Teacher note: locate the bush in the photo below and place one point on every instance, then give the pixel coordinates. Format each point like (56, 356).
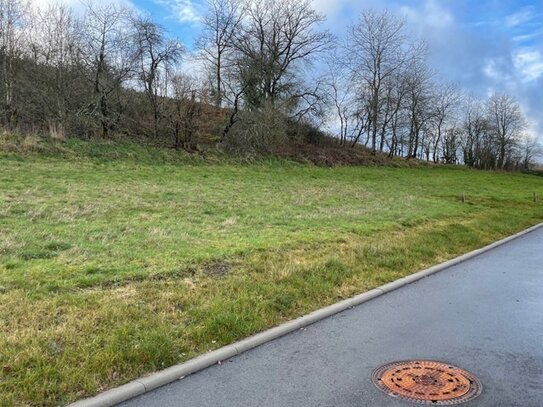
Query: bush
(257, 132)
(306, 133)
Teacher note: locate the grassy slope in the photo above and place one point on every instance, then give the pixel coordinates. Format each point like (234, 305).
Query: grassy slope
(113, 268)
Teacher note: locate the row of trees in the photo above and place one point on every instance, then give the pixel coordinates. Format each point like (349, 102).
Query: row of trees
(268, 68)
(386, 97)
(379, 85)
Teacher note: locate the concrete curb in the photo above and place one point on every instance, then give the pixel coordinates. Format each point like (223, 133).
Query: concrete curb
(155, 380)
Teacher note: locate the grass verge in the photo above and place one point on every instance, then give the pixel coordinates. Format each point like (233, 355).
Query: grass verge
(110, 269)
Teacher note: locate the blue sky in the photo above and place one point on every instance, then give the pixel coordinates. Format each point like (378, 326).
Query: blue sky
(484, 46)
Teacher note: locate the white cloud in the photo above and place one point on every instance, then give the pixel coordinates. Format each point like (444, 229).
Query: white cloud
(194, 66)
(328, 7)
(490, 70)
(532, 127)
(525, 15)
(432, 15)
(186, 11)
(525, 37)
(344, 12)
(437, 16)
(529, 64)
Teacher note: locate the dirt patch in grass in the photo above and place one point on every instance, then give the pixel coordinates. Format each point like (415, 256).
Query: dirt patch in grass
(217, 269)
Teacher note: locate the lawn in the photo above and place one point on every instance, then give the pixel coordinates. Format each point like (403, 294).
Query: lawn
(113, 268)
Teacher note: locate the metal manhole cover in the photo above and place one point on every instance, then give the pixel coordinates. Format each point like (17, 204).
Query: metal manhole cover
(427, 382)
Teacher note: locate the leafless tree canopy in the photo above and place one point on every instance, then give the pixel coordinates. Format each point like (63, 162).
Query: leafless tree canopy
(270, 72)
(156, 57)
(216, 43)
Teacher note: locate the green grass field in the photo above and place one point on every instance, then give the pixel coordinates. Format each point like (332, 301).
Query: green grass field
(113, 268)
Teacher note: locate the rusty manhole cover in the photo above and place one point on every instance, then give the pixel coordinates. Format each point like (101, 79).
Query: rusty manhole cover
(427, 382)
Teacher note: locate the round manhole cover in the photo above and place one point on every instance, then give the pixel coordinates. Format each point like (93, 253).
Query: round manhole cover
(427, 382)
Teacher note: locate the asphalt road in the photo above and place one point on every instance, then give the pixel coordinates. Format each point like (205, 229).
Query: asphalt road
(484, 315)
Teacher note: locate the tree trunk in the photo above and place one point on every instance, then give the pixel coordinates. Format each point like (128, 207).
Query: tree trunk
(218, 102)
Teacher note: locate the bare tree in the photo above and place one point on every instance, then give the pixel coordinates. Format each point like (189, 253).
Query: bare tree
(530, 149)
(395, 90)
(451, 143)
(477, 146)
(276, 40)
(398, 95)
(350, 105)
(12, 21)
(374, 53)
(107, 56)
(220, 27)
(419, 105)
(340, 96)
(52, 44)
(156, 55)
(445, 103)
(236, 91)
(184, 111)
(276, 43)
(507, 122)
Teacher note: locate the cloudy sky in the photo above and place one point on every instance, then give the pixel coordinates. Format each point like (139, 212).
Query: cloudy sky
(484, 46)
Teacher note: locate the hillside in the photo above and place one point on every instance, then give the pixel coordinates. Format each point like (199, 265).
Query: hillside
(325, 153)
